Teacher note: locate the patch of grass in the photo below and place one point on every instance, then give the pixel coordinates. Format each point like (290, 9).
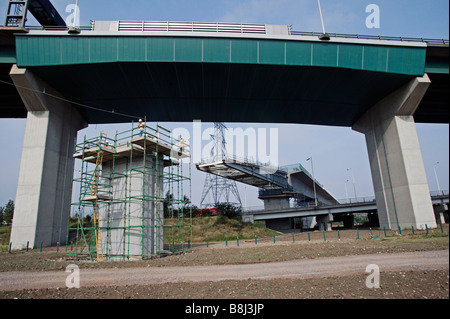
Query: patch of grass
(417, 237)
(5, 233)
(220, 228)
(433, 239)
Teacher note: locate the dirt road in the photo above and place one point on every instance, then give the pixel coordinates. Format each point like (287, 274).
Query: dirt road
(299, 269)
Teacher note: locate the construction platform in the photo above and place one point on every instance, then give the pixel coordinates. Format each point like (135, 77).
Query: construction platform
(137, 146)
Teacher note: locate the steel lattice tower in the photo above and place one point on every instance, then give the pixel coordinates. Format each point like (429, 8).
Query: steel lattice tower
(218, 189)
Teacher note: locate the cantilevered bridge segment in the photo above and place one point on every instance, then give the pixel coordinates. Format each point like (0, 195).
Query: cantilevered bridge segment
(277, 184)
(248, 173)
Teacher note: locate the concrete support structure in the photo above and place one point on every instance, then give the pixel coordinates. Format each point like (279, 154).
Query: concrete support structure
(398, 173)
(308, 222)
(132, 223)
(276, 203)
(324, 222)
(280, 224)
(44, 188)
(373, 220)
(439, 211)
(346, 219)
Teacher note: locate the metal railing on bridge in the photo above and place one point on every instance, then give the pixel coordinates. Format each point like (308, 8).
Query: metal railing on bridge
(372, 37)
(264, 166)
(304, 205)
(169, 26)
(239, 28)
(267, 166)
(439, 193)
(346, 201)
(59, 28)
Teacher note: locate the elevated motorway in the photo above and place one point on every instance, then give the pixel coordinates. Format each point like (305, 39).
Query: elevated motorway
(224, 72)
(332, 212)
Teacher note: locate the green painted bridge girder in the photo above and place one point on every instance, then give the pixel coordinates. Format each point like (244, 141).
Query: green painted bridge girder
(437, 66)
(7, 55)
(229, 79)
(38, 51)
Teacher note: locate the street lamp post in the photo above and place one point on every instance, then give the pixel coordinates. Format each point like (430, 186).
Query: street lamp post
(324, 35)
(353, 179)
(437, 180)
(346, 191)
(314, 180)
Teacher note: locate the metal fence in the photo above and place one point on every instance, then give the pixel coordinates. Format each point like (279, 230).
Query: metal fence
(240, 28)
(346, 201)
(439, 193)
(372, 37)
(59, 28)
(169, 26)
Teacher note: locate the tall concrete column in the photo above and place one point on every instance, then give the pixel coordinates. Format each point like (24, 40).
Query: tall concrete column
(43, 195)
(398, 173)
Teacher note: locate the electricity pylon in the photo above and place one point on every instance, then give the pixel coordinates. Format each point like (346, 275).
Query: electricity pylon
(217, 189)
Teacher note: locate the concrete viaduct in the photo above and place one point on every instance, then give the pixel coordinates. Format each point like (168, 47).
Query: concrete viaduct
(281, 219)
(61, 80)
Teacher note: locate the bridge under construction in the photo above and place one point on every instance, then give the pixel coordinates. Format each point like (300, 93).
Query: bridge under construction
(62, 79)
(313, 204)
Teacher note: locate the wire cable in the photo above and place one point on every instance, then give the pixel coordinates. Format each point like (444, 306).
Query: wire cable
(73, 102)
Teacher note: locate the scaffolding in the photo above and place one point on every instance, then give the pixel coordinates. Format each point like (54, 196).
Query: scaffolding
(134, 197)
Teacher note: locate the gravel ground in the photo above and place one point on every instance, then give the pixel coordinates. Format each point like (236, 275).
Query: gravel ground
(116, 282)
(394, 285)
(410, 266)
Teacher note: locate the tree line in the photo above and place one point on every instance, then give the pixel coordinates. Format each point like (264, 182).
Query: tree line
(183, 207)
(173, 208)
(7, 213)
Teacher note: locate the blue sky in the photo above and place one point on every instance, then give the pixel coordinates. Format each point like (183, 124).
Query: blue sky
(333, 149)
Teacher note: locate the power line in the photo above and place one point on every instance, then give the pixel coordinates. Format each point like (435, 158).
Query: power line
(73, 102)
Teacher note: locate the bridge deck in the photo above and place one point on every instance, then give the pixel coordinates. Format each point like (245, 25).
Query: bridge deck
(174, 67)
(346, 208)
(247, 173)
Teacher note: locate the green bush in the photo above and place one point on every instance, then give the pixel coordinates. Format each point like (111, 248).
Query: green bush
(229, 210)
(201, 213)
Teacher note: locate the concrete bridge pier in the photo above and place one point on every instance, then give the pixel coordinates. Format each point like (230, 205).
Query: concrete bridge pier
(373, 220)
(324, 222)
(280, 224)
(398, 173)
(46, 170)
(347, 219)
(439, 211)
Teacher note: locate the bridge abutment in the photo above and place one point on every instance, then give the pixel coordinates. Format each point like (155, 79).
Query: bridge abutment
(44, 187)
(398, 173)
